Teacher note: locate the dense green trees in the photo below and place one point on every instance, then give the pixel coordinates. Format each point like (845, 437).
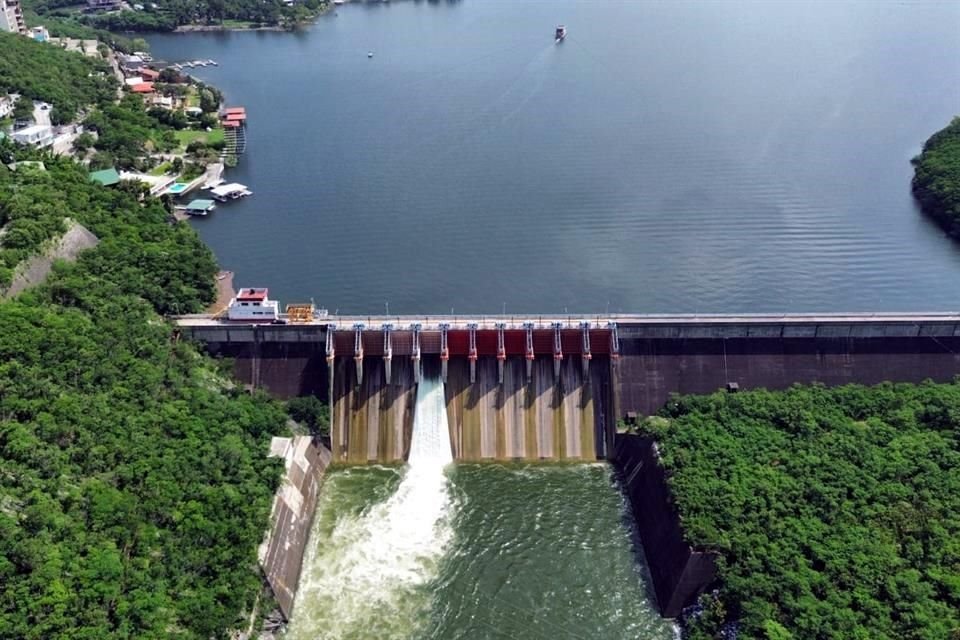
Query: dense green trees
(134, 487)
(936, 182)
(64, 79)
(169, 14)
(836, 511)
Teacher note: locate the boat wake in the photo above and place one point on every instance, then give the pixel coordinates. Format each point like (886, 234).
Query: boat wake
(365, 580)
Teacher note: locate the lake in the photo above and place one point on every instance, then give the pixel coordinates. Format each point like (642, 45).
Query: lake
(666, 157)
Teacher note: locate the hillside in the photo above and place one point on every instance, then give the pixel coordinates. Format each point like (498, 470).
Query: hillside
(936, 182)
(42, 72)
(836, 511)
(134, 487)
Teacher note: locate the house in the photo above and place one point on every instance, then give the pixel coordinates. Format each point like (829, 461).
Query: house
(103, 5)
(11, 17)
(38, 135)
(133, 81)
(164, 102)
(40, 34)
(106, 177)
(200, 207)
(129, 64)
(143, 88)
(6, 106)
(148, 74)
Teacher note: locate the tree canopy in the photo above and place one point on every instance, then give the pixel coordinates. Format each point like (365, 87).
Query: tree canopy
(134, 487)
(836, 512)
(41, 72)
(936, 181)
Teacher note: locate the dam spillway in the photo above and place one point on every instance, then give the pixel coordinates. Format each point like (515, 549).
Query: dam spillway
(529, 394)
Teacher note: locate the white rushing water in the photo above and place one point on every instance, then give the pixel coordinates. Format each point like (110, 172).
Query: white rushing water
(365, 579)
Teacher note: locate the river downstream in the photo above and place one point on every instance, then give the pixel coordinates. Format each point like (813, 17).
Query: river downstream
(666, 157)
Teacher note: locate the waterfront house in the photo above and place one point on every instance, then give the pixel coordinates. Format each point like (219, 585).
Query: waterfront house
(148, 74)
(142, 88)
(129, 64)
(38, 135)
(200, 207)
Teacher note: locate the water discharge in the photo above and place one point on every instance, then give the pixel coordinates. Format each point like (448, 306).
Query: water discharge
(366, 577)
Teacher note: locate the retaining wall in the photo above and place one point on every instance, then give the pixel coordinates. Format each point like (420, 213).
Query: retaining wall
(679, 573)
(281, 553)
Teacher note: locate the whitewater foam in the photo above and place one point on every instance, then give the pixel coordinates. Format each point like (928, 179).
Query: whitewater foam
(365, 580)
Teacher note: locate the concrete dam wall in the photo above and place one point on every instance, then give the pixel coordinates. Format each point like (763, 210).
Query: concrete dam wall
(515, 388)
(518, 419)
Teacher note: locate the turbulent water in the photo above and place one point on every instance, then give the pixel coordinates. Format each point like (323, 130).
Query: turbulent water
(437, 551)
(369, 564)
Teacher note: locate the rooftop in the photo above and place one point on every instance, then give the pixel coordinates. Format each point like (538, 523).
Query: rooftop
(252, 294)
(106, 177)
(227, 189)
(201, 204)
(143, 87)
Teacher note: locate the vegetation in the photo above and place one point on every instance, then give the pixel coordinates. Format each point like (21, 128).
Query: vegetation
(134, 487)
(836, 512)
(936, 181)
(38, 71)
(312, 413)
(169, 14)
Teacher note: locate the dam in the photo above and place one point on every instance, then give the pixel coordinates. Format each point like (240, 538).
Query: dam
(554, 387)
(514, 390)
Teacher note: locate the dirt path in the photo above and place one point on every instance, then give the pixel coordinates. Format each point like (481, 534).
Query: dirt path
(225, 291)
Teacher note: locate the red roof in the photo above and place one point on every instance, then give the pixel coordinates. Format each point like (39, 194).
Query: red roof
(234, 110)
(236, 117)
(252, 295)
(231, 124)
(143, 87)
(149, 74)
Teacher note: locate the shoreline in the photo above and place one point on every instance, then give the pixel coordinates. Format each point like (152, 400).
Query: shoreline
(219, 28)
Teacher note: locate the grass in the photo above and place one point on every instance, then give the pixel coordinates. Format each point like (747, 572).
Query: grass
(186, 136)
(161, 169)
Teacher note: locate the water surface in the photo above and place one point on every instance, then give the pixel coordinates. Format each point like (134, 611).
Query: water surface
(715, 156)
(521, 551)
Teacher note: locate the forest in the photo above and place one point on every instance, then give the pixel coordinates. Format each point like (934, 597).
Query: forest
(41, 72)
(167, 15)
(835, 512)
(936, 181)
(134, 487)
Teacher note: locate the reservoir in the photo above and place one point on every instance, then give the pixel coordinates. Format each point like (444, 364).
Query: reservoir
(666, 157)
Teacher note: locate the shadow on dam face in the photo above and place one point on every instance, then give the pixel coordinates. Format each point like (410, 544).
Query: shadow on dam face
(542, 418)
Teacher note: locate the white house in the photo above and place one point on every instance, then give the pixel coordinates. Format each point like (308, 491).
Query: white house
(39, 135)
(6, 106)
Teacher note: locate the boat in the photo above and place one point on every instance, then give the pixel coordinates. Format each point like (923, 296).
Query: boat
(369, 54)
(560, 33)
(232, 191)
(253, 305)
(213, 63)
